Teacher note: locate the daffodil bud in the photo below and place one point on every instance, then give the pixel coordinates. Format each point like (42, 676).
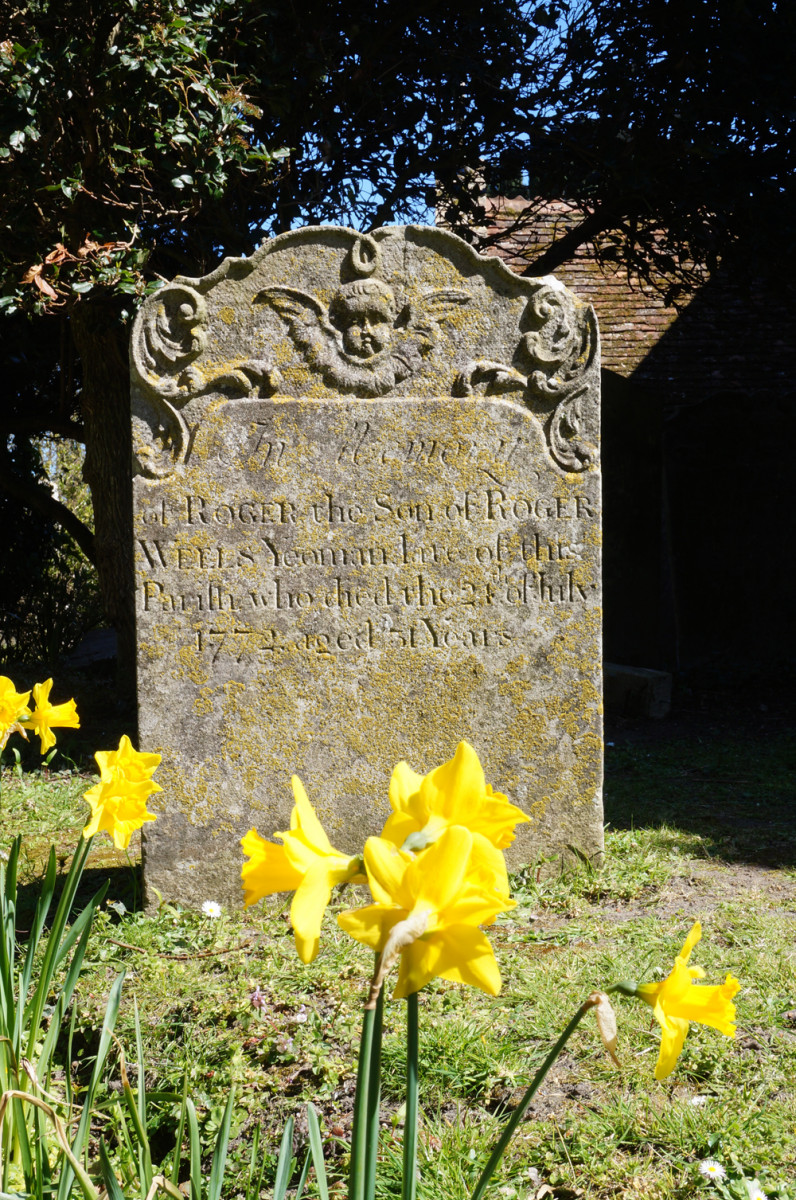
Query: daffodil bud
(606, 1022)
(400, 936)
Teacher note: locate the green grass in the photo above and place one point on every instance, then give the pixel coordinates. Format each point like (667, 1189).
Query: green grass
(592, 1130)
(732, 786)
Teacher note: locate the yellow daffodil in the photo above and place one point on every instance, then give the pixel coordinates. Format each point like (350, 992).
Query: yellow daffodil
(134, 765)
(268, 869)
(454, 794)
(46, 716)
(118, 801)
(428, 909)
(13, 707)
(679, 999)
(306, 863)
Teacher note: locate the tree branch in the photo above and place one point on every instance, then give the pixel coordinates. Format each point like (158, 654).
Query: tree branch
(42, 501)
(563, 248)
(41, 426)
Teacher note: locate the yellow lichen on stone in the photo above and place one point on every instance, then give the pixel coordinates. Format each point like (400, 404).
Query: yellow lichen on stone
(364, 568)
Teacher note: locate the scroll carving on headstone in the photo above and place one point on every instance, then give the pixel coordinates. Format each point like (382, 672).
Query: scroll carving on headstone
(367, 514)
(560, 349)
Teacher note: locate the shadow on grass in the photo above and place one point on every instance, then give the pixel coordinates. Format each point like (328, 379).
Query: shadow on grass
(723, 770)
(123, 887)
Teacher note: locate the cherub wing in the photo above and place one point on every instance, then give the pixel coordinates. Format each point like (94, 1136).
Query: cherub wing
(427, 313)
(308, 321)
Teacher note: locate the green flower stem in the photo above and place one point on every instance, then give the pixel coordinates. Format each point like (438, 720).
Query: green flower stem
(409, 1187)
(628, 987)
(519, 1112)
(135, 878)
(373, 1101)
(359, 1132)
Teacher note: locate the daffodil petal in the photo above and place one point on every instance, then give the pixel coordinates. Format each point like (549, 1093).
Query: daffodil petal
(386, 866)
(41, 693)
(398, 828)
(419, 963)
(123, 830)
(691, 941)
(306, 911)
(46, 716)
(474, 906)
(404, 784)
(672, 1039)
(488, 866)
(92, 795)
(472, 959)
(370, 925)
(45, 736)
(497, 818)
(436, 876)
(457, 785)
(304, 820)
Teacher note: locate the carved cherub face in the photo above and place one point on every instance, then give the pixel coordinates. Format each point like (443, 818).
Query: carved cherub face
(364, 312)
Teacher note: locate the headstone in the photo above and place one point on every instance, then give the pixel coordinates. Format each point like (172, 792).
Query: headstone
(367, 526)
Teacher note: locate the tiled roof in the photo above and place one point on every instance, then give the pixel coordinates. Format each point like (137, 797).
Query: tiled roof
(732, 336)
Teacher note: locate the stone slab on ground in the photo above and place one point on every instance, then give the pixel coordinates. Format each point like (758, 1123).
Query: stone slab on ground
(637, 691)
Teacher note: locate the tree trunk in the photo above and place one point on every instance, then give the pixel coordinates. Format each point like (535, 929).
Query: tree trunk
(101, 343)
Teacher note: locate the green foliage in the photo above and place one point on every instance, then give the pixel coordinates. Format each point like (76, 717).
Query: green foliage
(48, 590)
(159, 135)
(45, 1130)
(163, 135)
(121, 124)
(197, 1034)
(669, 134)
(27, 1042)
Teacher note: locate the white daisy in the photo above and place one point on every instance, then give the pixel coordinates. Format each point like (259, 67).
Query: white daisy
(211, 908)
(711, 1169)
(754, 1190)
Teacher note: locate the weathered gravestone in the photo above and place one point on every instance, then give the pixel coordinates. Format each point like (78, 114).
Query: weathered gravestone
(367, 526)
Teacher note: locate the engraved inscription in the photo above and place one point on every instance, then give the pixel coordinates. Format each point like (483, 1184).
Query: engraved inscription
(411, 568)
